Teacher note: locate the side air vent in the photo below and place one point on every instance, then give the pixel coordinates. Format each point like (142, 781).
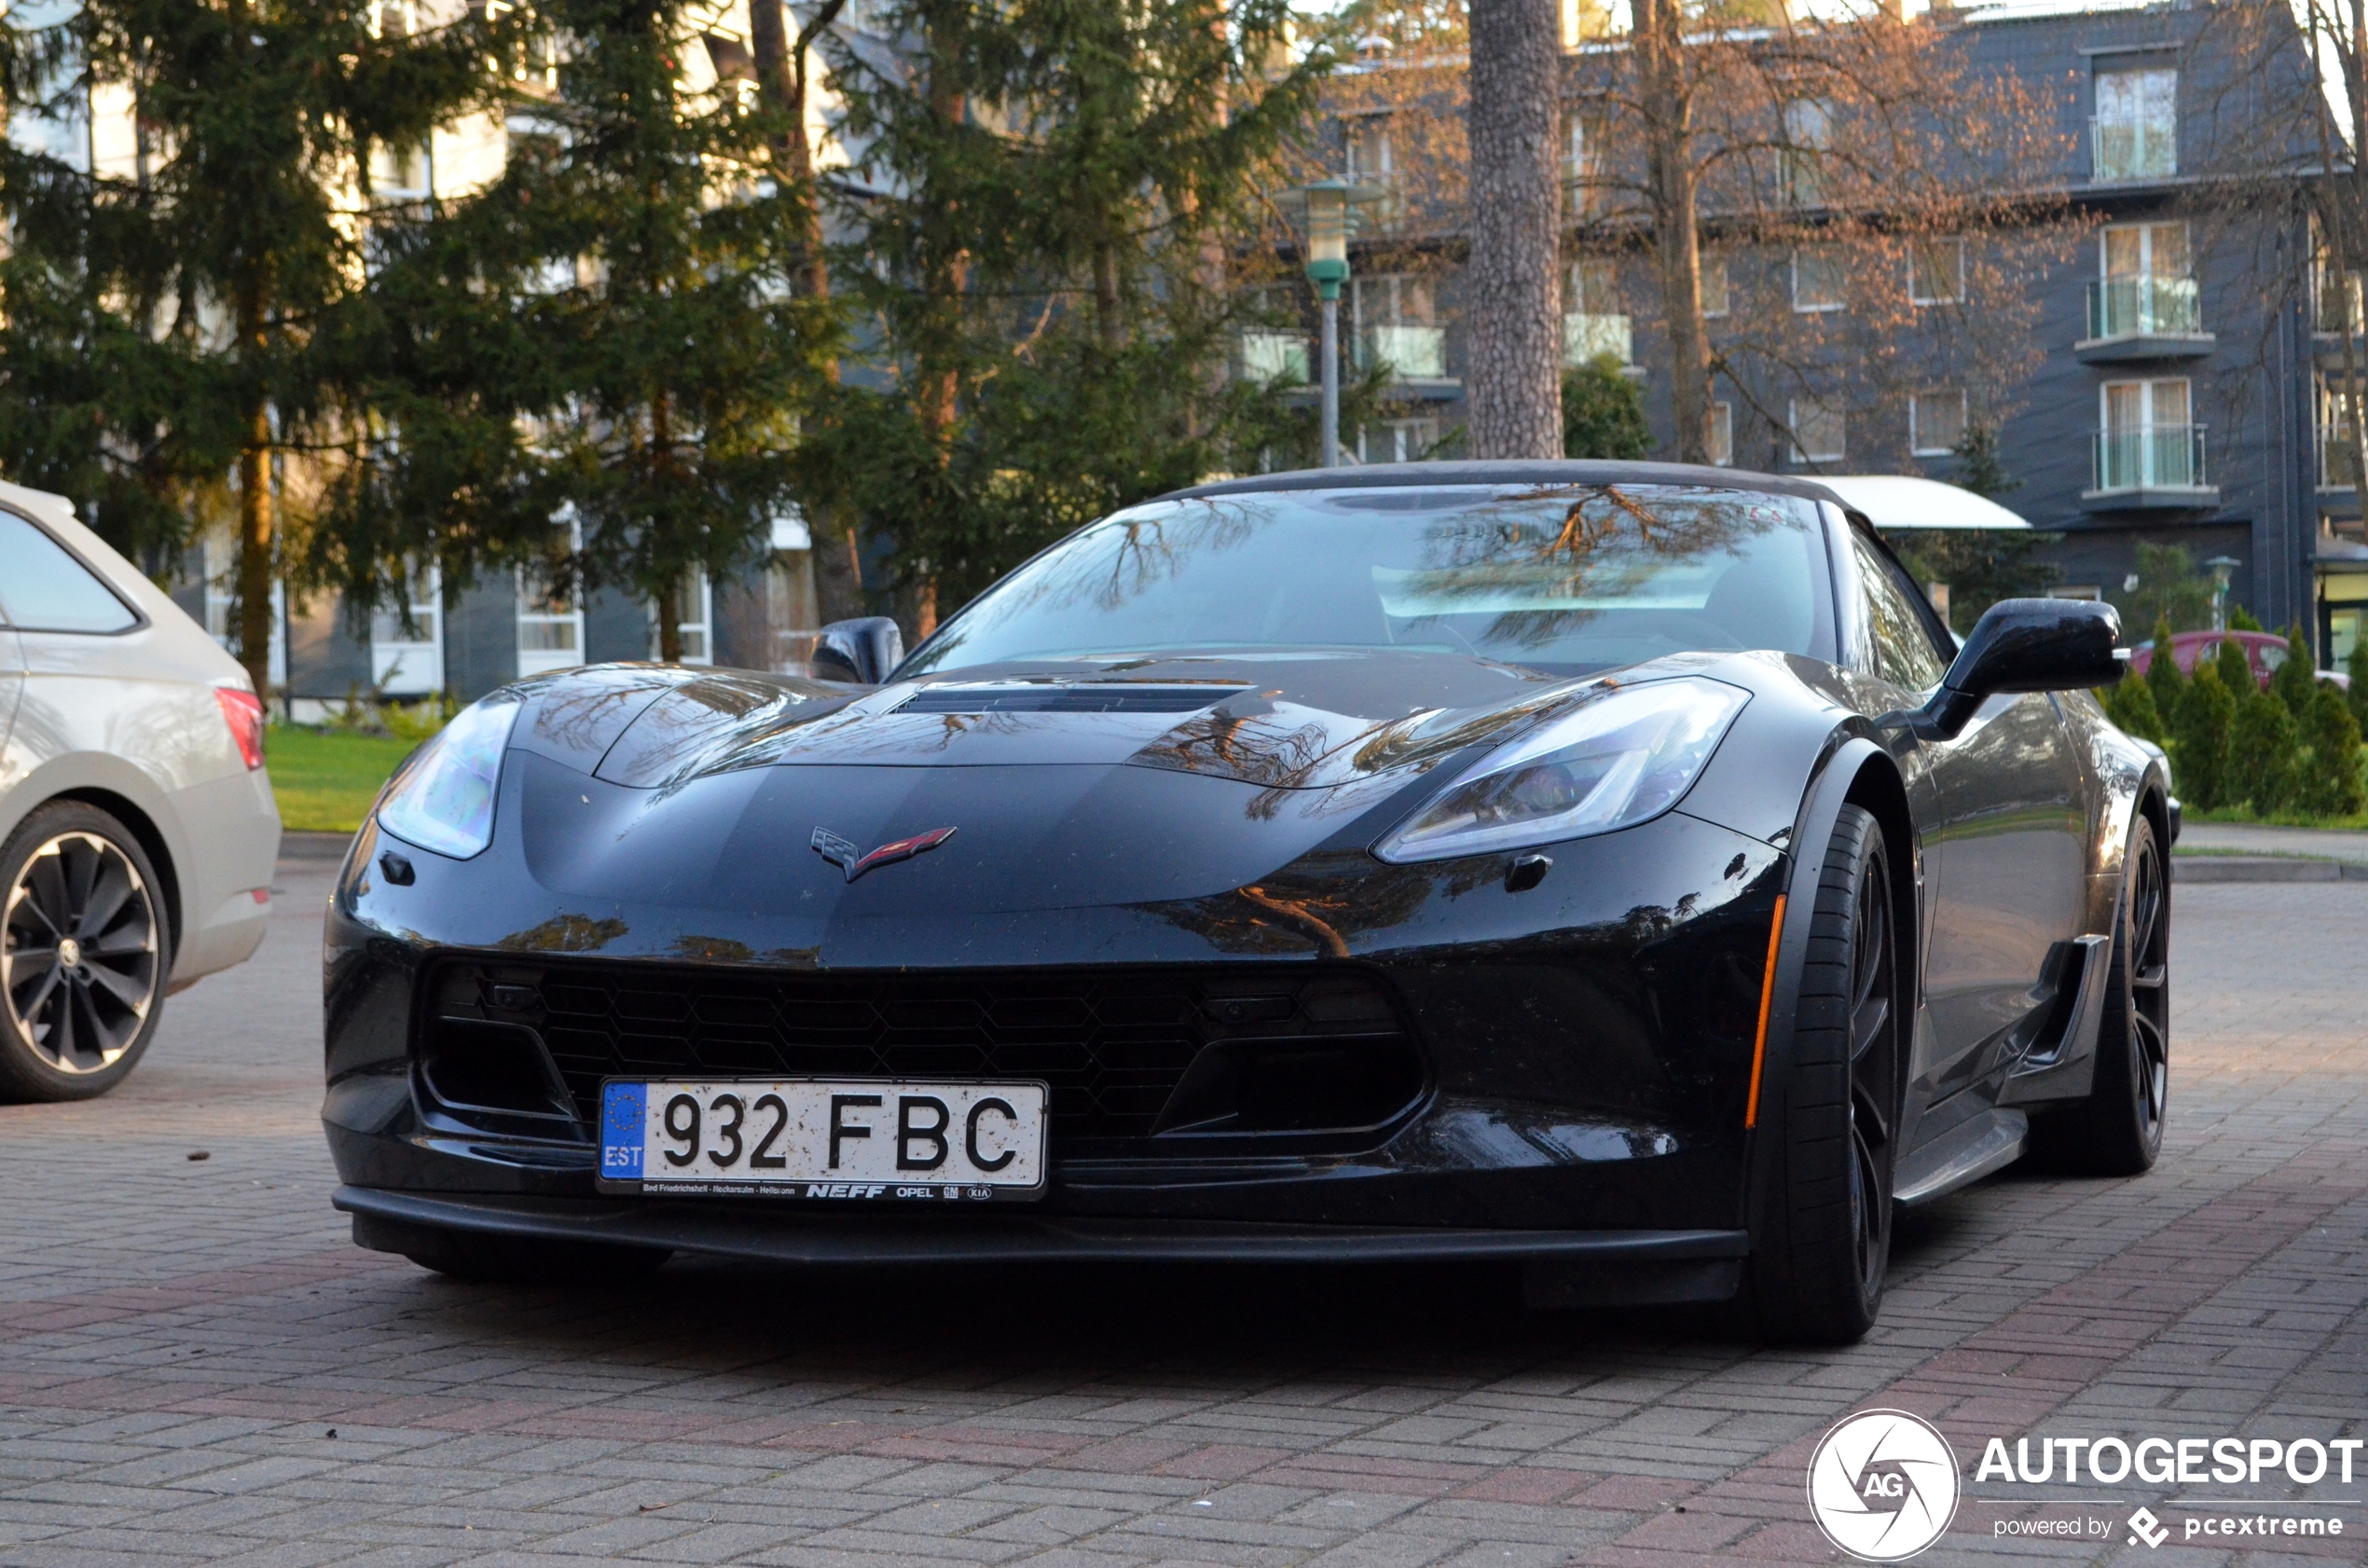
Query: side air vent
(1065, 697)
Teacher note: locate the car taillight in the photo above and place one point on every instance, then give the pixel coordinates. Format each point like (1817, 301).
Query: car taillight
(244, 712)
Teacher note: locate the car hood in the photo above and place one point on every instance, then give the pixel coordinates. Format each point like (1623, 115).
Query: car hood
(1067, 785)
(1277, 719)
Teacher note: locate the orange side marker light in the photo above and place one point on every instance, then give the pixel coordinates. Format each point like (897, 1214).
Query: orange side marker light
(1767, 997)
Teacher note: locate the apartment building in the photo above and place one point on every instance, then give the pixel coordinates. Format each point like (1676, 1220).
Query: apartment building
(2180, 394)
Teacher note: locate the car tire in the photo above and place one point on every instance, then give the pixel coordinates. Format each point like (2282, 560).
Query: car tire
(2117, 1130)
(489, 1259)
(1816, 1270)
(85, 951)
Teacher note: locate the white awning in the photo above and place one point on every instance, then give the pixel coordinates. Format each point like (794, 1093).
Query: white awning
(1894, 501)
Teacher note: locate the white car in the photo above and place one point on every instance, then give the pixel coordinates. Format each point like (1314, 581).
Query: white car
(137, 828)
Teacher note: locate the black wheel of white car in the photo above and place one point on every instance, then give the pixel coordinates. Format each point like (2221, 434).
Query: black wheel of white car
(84, 953)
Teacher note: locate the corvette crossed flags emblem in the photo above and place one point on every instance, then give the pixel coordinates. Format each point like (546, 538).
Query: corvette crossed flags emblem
(841, 853)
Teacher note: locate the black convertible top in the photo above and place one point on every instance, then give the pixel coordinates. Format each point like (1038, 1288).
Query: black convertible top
(1528, 473)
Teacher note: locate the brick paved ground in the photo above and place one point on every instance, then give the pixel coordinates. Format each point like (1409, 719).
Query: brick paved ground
(196, 1367)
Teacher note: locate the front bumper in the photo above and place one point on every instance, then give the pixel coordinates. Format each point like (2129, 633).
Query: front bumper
(1592, 1268)
(1587, 1045)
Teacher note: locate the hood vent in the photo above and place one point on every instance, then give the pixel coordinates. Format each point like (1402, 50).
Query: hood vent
(1123, 697)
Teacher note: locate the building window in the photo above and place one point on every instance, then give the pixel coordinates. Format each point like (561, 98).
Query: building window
(2135, 134)
(1369, 150)
(1817, 280)
(2336, 293)
(2147, 285)
(1722, 434)
(1583, 165)
(1273, 349)
(1936, 272)
(1936, 423)
(1397, 441)
(1809, 132)
(1397, 322)
(550, 618)
(1818, 431)
(1714, 287)
(2338, 454)
(695, 611)
(2148, 440)
(1594, 324)
(410, 664)
(219, 562)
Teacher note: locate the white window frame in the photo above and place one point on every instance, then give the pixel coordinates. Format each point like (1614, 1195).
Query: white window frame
(1713, 265)
(541, 661)
(1793, 408)
(1917, 445)
(1954, 246)
(1801, 309)
(413, 665)
(218, 599)
(1722, 434)
(702, 630)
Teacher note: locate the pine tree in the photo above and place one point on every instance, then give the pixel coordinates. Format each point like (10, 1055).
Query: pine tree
(191, 288)
(2199, 736)
(1054, 310)
(2334, 786)
(2242, 619)
(2263, 757)
(607, 335)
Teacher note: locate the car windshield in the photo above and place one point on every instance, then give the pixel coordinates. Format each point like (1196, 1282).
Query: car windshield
(1567, 579)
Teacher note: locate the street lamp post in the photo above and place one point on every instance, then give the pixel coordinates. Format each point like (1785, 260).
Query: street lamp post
(2220, 567)
(1327, 269)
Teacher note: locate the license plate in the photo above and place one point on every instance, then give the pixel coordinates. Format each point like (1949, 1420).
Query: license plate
(866, 1138)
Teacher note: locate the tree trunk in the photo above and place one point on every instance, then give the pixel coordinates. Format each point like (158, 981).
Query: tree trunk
(670, 623)
(255, 511)
(781, 78)
(1513, 286)
(1670, 177)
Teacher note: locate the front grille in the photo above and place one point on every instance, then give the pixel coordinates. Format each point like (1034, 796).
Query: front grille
(1113, 1044)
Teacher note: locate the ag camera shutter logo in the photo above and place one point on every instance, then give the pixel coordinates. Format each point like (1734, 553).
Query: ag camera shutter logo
(1882, 1485)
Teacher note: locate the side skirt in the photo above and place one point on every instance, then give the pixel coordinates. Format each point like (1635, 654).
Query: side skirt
(1961, 1157)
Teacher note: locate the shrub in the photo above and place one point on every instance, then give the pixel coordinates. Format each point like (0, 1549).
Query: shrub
(2131, 706)
(1603, 412)
(421, 720)
(2199, 736)
(2263, 763)
(2236, 673)
(2294, 679)
(2357, 667)
(2333, 786)
(2242, 619)
(2163, 676)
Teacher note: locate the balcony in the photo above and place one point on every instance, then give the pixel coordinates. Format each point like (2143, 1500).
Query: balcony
(2143, 318)
(1269, 357)
(1587, 337)
(2127, 148)
(1413, 353)
(2155, 467)
(2338, 460)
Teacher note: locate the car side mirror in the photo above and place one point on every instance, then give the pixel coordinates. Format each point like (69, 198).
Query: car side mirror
(860, 652)
(2026, 645)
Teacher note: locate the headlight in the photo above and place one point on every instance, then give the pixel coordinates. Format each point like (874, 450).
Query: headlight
(1624, 756)
(443, 800)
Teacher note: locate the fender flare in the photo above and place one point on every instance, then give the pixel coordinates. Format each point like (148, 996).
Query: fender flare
(1821, 809)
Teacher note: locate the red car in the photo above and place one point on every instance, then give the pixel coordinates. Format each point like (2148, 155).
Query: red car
(2264, 651)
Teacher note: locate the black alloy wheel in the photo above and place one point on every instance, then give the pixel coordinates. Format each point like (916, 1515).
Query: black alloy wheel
(1823, 1246)
(2118, 1129)
(84, 954)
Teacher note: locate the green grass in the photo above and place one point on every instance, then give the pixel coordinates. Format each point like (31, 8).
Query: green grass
(325, 781)
(2277, 819)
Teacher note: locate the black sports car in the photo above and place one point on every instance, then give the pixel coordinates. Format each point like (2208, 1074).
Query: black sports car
(1614, 869)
